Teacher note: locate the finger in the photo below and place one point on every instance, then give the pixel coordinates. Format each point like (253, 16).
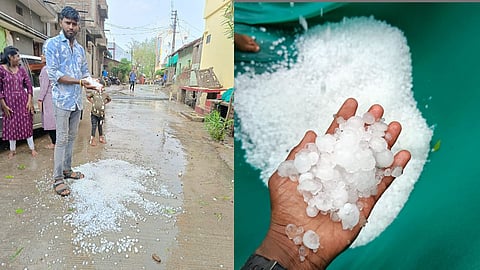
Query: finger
(347, 110)
(309, 137)
(401, 159)
(392, 133)
(377, 111)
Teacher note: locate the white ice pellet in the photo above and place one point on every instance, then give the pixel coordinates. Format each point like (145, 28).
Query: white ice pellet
(286, 168)
(377, 144)
(311, 240)
(325, 143)
(384, 158)
(303, 22)
(302, 162)
(313, 156)
(379, 126)
(312, 211)
(297, 240)
(310, 185)
(349, 215)
(397, 171)
(303, 252)
(368, 118)
(325, 171)
(305, 176)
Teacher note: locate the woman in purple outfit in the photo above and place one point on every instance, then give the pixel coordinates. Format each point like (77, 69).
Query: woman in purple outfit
(46, 105)
(16, 100)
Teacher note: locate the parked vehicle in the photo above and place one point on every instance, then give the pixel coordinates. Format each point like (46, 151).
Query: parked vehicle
(33, 65)
(107, 81)
(114, 80)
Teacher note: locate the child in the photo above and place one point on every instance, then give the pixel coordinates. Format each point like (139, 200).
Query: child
(98, 100)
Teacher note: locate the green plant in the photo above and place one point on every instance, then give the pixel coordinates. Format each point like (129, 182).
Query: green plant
(227, 21)
(216, 125)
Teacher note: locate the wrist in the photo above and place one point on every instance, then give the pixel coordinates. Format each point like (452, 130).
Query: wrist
(256, 261)
(277, 246)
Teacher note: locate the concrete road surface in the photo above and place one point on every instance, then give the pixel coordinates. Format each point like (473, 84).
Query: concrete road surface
(158, 195)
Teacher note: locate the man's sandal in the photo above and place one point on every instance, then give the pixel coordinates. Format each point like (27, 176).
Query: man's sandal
(61, 188)
(73, 175)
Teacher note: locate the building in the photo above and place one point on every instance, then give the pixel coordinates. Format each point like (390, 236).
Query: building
(26, 24)
(93, 14)
(184, 63)
(217, 48)
(158, 52)
(199, 72)
(117, 52)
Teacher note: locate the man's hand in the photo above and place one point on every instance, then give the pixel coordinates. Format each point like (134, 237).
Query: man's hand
(245, 43)
(96, 85)
(87, 84)
(288, 206)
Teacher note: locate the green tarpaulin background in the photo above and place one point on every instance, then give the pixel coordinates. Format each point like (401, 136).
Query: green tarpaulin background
(438, 226)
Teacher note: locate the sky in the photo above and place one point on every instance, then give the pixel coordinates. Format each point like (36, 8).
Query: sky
(139, 20)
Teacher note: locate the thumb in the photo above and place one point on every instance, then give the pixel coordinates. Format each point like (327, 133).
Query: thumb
(309, 137)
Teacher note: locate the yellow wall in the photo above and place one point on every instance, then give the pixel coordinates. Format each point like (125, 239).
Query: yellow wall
(218, 53)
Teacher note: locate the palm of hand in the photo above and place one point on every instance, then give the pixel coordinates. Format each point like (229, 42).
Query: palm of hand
(288, 206)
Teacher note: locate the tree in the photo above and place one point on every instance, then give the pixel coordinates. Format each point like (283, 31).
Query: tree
(144, 56)
(160, 72)
(123, 69)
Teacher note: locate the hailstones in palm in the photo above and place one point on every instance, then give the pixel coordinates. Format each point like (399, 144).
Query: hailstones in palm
(309, 239)
(339, 168)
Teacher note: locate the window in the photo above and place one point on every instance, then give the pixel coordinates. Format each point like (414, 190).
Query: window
(211, 95)
(208, 39)
(19, 10)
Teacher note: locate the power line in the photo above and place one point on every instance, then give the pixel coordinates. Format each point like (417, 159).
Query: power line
(194, 28)
(135, 28)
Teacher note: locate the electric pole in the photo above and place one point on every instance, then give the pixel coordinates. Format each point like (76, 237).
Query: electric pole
(174, 17)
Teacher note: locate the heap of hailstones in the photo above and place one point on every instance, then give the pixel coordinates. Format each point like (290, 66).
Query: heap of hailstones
(337, 170)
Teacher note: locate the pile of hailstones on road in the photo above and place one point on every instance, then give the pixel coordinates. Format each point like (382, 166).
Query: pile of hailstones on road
(338, 169)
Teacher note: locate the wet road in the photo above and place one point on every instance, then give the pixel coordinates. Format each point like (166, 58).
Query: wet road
(155, 162)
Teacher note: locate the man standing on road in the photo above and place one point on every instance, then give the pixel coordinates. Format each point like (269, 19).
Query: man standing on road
(133, 78)
(67, 69)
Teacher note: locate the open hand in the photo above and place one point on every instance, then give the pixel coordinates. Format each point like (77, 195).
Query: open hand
(288, 206)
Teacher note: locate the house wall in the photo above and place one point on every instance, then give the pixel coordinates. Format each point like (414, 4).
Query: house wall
(38, 21)
(184, 60)
(217, 49)
(28, 38)
(196, 59)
